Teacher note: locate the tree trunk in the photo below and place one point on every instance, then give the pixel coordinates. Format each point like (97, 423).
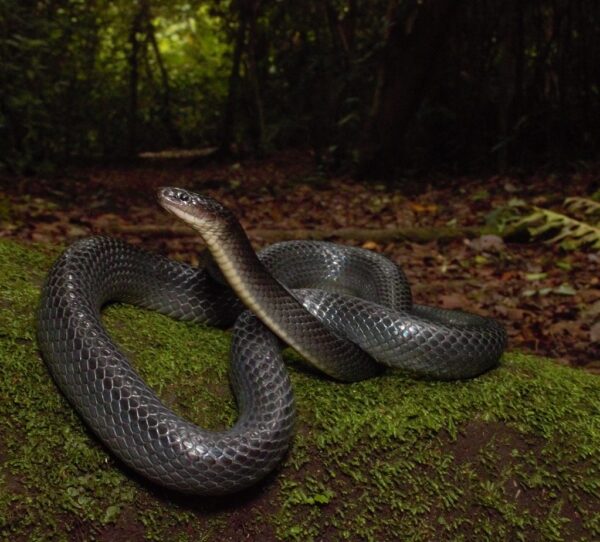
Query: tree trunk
(166, 114)
(414, 36)
(227, 130)
(258, 121)
(565, 54)
(134, 45)
(511, 85)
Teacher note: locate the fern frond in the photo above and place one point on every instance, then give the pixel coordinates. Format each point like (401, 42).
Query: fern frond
(587, 207)
(571, 232)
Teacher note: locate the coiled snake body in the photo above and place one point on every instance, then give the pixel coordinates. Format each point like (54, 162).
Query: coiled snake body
(348, 311)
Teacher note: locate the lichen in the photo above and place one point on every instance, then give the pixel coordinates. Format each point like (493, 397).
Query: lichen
(510, 455)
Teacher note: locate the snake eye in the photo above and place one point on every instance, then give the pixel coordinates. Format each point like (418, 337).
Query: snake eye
(184, 196)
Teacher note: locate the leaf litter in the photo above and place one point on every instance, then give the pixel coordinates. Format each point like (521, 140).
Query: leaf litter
(547, 297)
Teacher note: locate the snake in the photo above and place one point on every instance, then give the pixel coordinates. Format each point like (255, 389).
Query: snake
(346, 310)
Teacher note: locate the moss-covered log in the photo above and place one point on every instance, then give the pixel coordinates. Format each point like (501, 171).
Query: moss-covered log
(512, 455)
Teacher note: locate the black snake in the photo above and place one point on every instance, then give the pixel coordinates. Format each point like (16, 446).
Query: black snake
(348, 311)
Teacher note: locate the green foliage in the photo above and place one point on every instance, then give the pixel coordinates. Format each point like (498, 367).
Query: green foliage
(588, 207)
(504, 216)
(196, 53)
(309, 77)
(65, 75)
(565, 230)
(44, 80)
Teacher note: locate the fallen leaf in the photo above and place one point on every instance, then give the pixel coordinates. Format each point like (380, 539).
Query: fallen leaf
(536, 276)
(565, 289)
(426, 208)
(454, 301)
(480, 195)
(564, 265)
(488, 243)
(511, 313)
(107, 220)
(593, 311)
(515, 314)
(569, 326)
(370, 245)
(74, 230)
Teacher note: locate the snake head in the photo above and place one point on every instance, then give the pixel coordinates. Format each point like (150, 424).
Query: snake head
(203, 213)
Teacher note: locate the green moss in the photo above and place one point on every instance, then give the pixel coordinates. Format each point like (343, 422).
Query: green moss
(510, 455)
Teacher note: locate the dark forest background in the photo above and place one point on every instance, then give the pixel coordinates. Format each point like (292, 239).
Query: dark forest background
(378, 86)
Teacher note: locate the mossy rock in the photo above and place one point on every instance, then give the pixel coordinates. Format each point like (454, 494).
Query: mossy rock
(512, 455)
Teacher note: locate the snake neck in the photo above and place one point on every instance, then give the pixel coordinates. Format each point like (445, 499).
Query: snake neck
(275, 306)
(249, 278)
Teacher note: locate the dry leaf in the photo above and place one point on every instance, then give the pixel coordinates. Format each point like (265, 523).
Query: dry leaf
(426, 208)
(370, 245)
(454, 301)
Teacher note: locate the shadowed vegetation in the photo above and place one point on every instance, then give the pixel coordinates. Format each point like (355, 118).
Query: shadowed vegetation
(384, 87)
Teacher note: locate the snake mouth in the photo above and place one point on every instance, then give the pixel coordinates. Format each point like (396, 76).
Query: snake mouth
(203, 213)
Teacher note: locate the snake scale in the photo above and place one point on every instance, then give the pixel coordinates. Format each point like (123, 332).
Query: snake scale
(348, 311)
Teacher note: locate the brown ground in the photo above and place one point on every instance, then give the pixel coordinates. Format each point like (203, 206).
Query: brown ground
(548, 298)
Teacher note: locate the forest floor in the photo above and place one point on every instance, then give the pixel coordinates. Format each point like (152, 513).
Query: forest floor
(511, 455)
(548, 298)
